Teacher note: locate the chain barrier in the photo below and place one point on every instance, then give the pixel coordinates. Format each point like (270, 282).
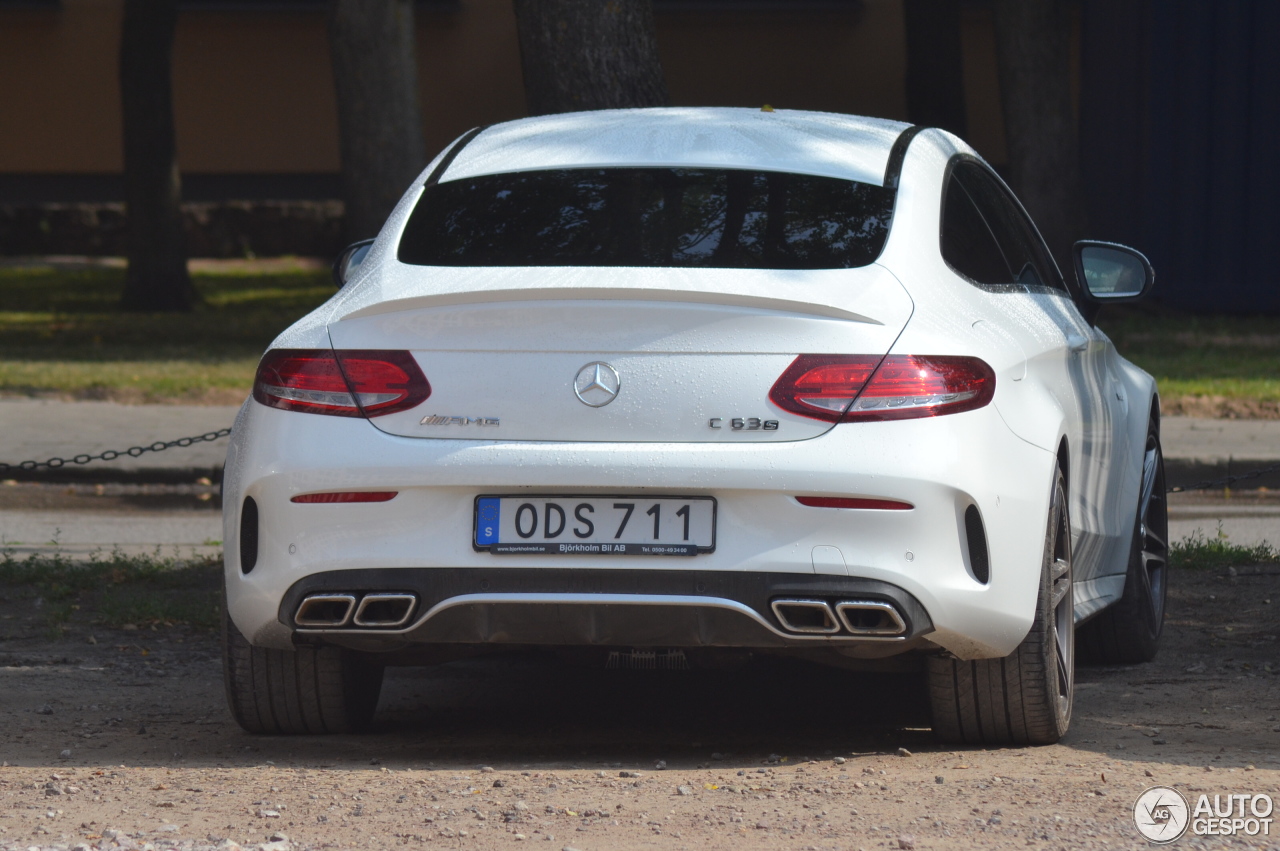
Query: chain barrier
(161, 445)
(1225, 482)
(111, 454)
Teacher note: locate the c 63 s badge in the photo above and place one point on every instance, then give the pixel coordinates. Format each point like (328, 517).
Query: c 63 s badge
(744, 424)
(439, 420)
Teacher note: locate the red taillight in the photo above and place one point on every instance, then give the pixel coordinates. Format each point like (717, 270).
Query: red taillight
(345, 496)
(852, 388)
(347, 383)
(822, 386)
(849, 502)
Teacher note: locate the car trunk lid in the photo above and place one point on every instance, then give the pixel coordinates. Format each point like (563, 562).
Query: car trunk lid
(631, 355)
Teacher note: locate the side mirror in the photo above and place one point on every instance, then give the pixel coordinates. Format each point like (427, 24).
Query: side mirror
(349, 260)
(1112, 274)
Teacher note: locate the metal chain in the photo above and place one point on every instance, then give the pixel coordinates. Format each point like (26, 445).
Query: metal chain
(111, 454)
(1214, 484)
(161, 445)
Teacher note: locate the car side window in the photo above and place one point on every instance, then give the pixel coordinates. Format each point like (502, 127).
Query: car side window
(968, 245)
(1024, 260)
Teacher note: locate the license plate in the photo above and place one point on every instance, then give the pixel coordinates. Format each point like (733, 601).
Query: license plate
(596, 525)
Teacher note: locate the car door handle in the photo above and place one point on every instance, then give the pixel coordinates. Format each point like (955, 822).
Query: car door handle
(1077, 343)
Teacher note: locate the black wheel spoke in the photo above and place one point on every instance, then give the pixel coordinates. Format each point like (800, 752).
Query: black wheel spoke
(1154, 543)
(1150, 469)
(1154, 519)
(1064, 672)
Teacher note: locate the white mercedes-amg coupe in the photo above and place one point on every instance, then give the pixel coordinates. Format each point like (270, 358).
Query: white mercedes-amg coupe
(655, 384)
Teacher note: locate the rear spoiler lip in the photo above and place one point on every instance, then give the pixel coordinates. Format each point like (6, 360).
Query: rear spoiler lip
(578, 293)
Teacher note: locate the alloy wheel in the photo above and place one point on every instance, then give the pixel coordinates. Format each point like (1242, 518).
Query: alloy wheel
(1063, 602)
(1153, 525)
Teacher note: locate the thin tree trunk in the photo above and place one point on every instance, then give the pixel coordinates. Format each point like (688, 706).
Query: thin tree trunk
(375, 72)
(935, 65)
(157, 277)
(589, 54)
(737, 188)
(1032, 47)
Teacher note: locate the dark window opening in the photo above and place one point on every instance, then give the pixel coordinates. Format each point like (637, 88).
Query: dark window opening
(679, 217)
(986, 236)
(968, 245)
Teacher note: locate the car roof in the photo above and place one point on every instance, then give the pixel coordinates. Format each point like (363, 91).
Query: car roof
(819, 143)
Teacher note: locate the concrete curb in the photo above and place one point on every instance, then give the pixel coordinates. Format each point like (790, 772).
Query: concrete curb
(1182, 472)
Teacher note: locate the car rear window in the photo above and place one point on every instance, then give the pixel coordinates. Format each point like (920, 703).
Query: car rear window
(687, 217)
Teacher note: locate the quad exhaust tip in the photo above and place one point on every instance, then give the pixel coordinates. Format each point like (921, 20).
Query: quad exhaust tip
(806, 616)
(325, 610)
(860, 618)
(385, 610)
(370, 611)
(870, 617)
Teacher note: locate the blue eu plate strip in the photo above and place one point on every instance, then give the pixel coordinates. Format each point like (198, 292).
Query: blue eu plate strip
(488, 516)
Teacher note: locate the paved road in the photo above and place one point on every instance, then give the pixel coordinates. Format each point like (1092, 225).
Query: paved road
(39, 429)
(80, 533)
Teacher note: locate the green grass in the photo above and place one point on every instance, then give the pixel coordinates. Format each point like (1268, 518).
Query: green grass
(62, 332)
(114, 589)
(1199, 552)
(1234, 357)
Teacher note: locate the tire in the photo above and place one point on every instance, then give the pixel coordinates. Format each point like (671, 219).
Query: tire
(311, 690)
(1024, 698)
(1128, 631)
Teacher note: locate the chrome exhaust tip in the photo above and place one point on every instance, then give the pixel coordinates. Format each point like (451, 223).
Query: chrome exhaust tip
(806, 616)
(385, 611)
(325, 610)
(871, 617)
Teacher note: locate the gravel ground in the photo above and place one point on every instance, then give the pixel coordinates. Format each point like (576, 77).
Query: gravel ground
(121, 739)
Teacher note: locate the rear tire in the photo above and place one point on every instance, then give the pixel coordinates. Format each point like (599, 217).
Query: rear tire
(1128, 631)
(1024, 698)
(310, 690)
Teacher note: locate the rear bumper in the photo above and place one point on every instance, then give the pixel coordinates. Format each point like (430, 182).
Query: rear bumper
(941, 466)
(594, 607)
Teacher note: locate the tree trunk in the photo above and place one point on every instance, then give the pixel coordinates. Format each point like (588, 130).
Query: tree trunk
(935, 66)
(1032, 47)
(589, 54)
(375, 74)
(157, 276)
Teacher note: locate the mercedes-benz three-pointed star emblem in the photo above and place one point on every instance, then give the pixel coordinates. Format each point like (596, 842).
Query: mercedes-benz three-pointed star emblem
(597, 384)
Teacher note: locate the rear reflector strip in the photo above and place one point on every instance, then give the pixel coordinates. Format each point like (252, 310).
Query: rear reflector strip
(846, 502)
(345, 496)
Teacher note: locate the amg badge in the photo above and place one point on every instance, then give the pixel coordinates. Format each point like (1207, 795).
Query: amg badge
(745, 424)
(438, 420)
